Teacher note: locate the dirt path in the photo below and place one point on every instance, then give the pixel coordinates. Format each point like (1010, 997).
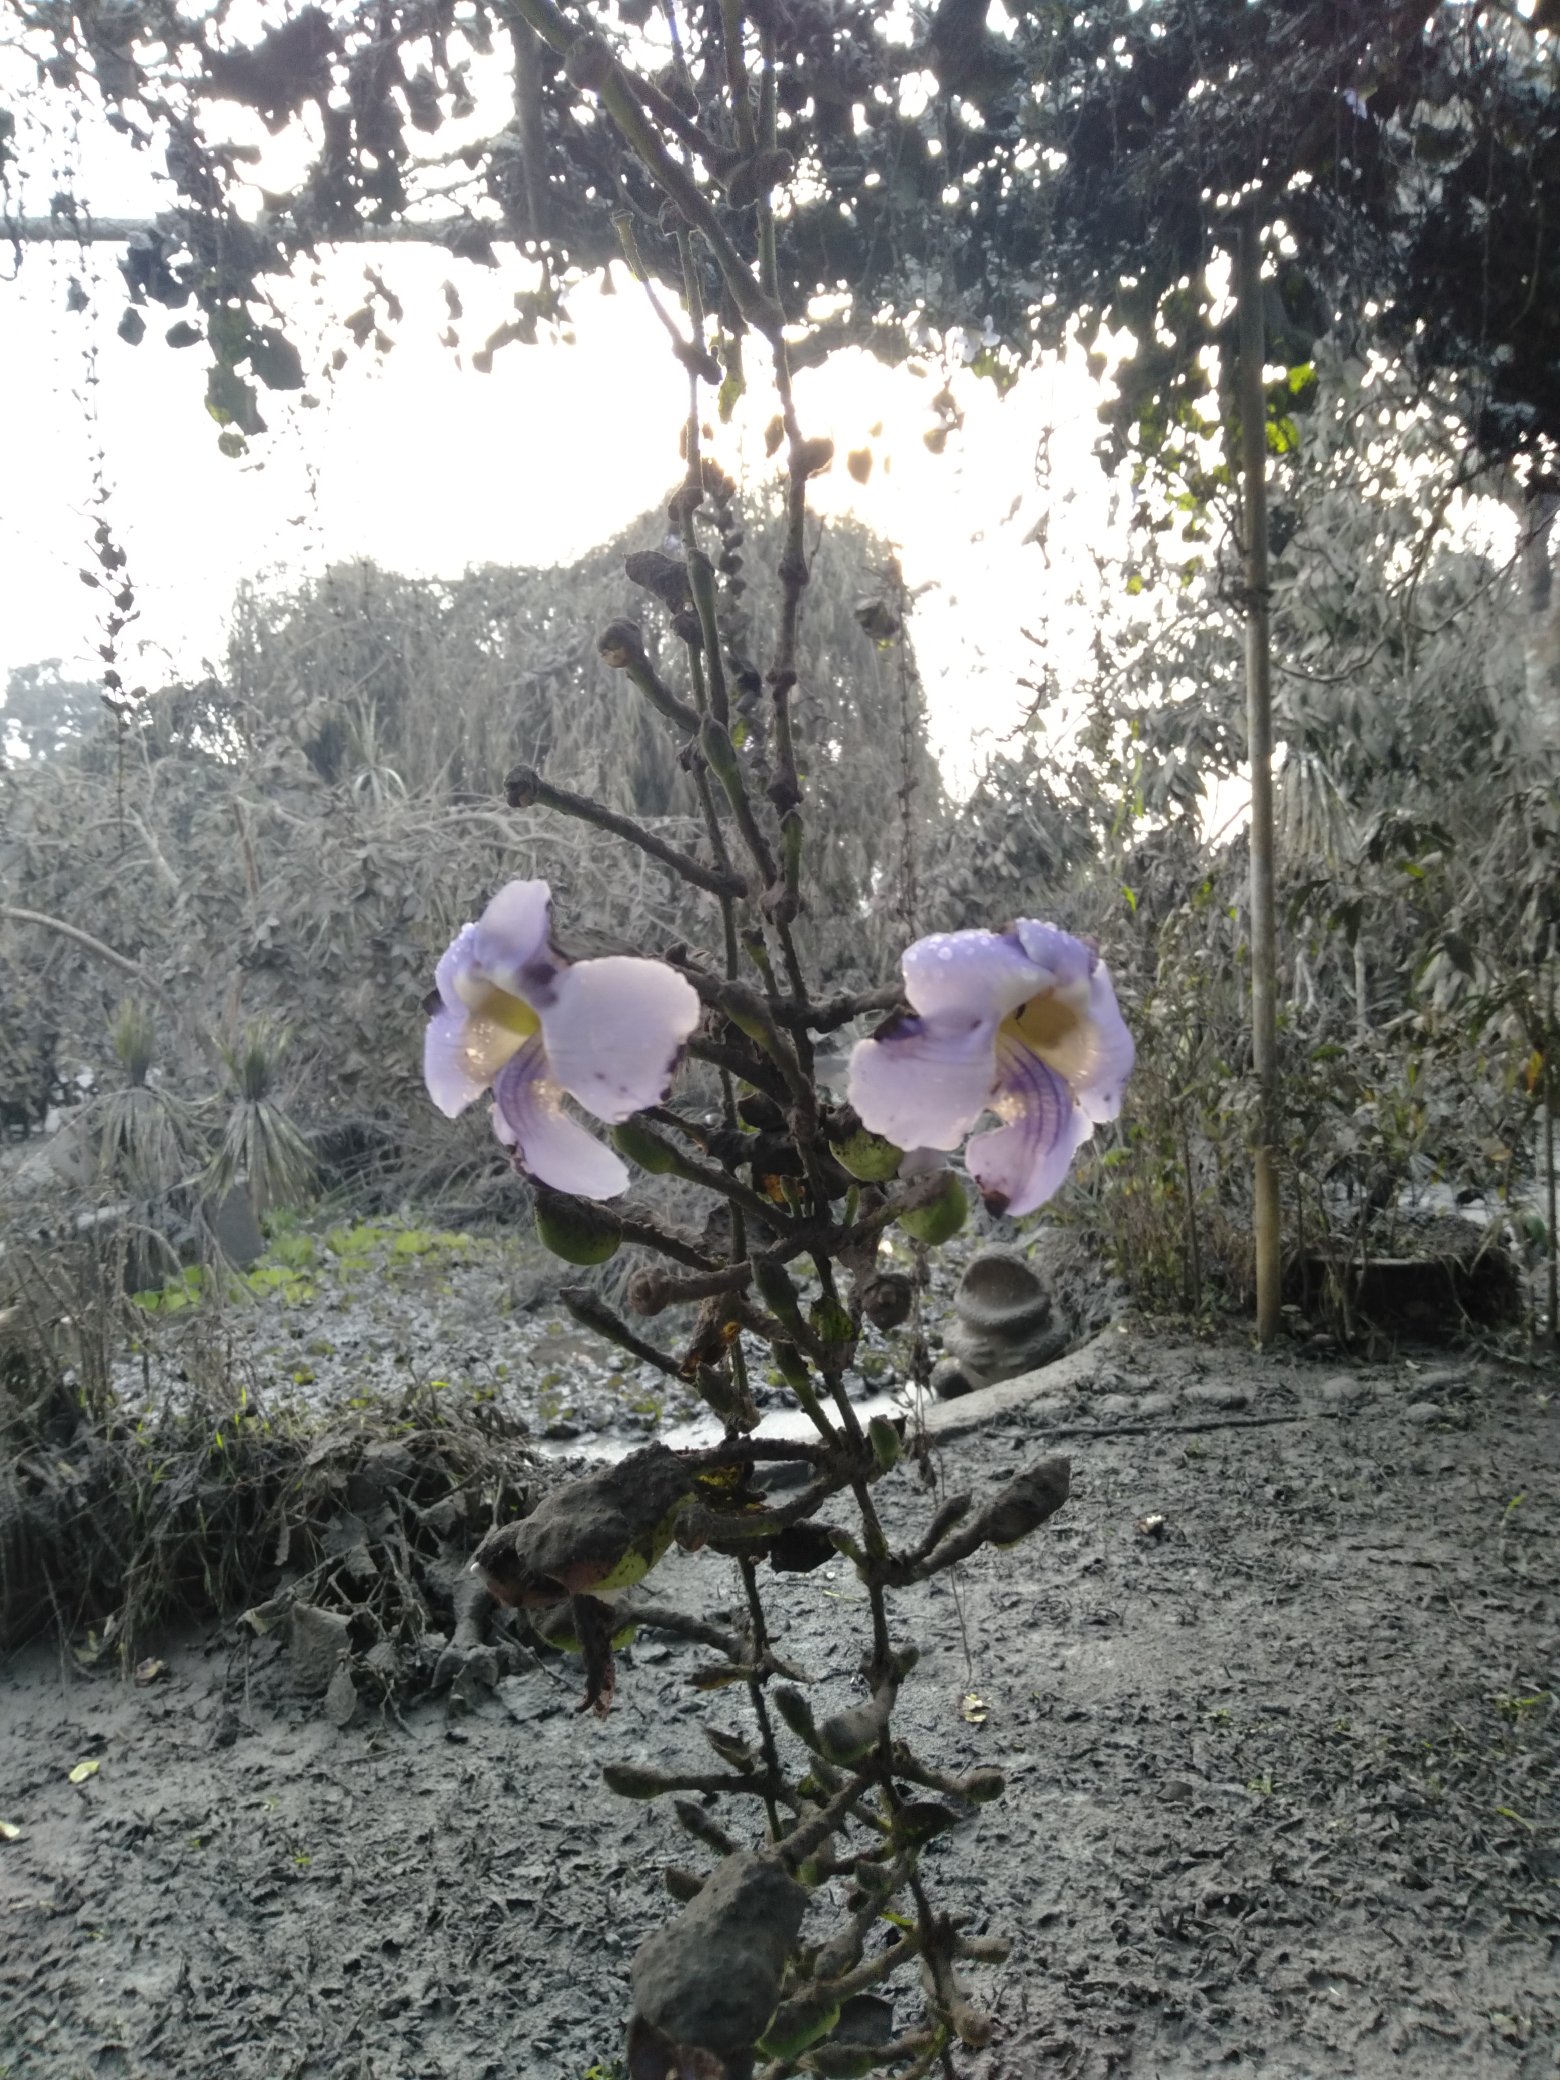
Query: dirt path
(1283, 1795)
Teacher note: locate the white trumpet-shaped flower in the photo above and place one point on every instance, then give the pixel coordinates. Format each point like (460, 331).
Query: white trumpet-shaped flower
(1022, 1023)
(516, 1017)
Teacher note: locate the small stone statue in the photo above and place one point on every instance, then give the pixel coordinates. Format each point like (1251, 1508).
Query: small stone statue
(1004, 1324)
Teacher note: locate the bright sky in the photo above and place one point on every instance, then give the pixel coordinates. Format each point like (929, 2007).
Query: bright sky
(427, 466)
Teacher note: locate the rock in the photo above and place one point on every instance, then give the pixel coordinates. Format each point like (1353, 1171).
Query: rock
(320, 1641)
(1003, 1320)
(1115, 1408)
(710, 1978)
(1218, 1393)
(1340, 1390)
(341, 1698)
(1424, 1412)
(949, 1380)
(234, 1228)
(1152, 1406)
(66, 1157)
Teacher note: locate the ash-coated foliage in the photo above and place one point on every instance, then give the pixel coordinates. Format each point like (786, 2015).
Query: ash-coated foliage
(293, 842)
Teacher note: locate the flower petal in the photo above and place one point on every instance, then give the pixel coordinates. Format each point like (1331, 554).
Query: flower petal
(1019, 1166)
(463, 1050)
(924, 1082)
(1100, 1081)
(1065, 960)
(455, 965)
(1085, 1037)
(510, 941)
(981, 974)
(614, 1030)
(460, 1059)
(528, 1116)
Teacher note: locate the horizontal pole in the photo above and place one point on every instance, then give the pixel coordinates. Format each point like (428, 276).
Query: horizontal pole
(87, 230)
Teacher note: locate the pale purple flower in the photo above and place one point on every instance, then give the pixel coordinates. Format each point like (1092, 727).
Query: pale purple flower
(1022, 1023)
(515, 1016)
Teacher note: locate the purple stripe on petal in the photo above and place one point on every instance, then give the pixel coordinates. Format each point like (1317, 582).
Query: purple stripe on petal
(1021, 1165)
(529, 1118)
(924, 1082)
(614, 1031)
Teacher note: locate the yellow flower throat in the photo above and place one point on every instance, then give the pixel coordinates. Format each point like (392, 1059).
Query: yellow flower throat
(1044, 1023)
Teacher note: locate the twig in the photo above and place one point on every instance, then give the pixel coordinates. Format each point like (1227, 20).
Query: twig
(525, 788)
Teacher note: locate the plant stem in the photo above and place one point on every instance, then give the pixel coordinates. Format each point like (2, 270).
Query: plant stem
(525, 788)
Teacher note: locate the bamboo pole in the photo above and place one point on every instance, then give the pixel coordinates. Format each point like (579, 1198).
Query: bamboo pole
(87, 230)
(1259, 748)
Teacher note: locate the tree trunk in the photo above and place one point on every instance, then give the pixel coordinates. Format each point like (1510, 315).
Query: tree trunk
(1541, 632)
(1259, 750)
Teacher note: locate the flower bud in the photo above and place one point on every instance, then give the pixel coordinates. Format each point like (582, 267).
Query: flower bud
(886, 1300)
(620, 644)
(635, 1780)
(983, 1785)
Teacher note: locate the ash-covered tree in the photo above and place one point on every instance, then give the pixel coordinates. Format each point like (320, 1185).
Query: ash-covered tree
(44, 712)
(1018, 174)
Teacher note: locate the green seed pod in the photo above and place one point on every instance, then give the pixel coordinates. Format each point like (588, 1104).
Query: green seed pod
(887, 1444)
(829, 1321)
(792, 1367)
(847, 2061)
(795, 2025)
(779, 1294)
(847, 1736)
(578, 1230)
(719, 751)
(796, 1712)
(644, 1146)
(868, 1156)
(922, 1819)
(942, 1217)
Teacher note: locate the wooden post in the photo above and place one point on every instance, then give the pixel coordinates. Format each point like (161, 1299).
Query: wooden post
(1259, 750)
